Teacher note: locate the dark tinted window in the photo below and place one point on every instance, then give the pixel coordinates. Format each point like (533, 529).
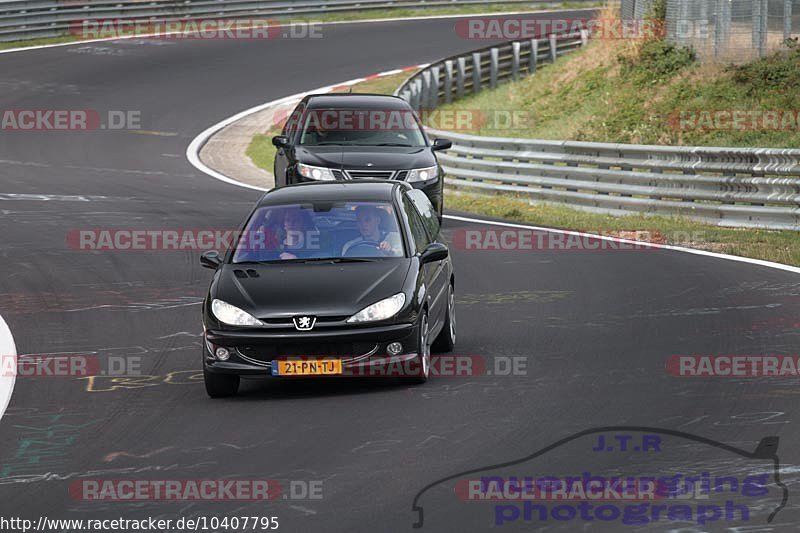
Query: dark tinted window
(421, 239)
(327, 230)
(361, 127)
(426, 209)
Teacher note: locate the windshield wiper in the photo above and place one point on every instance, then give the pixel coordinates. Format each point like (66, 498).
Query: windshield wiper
(394, 144)
(309, 260)
(327, 144)
(340, 260)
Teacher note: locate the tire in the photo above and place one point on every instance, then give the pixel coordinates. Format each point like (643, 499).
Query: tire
(446, 339)
(220, 385)
(423, 352)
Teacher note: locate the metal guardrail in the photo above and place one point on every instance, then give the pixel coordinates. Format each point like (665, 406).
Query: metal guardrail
(28, 19)
(739, 187)
(758, 188)
(456, 76)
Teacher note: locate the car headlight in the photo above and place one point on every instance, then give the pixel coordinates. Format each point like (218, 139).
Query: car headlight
(315, 173)
(386, 308)
(232, 315)
(423, 174)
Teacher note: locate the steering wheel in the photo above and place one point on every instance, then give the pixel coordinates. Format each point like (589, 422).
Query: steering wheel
(364, 248)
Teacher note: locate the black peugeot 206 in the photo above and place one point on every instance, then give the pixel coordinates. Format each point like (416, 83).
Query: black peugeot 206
(358, 136)
(330, 279)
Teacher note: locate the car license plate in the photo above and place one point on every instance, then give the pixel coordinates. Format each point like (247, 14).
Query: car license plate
(320, 367)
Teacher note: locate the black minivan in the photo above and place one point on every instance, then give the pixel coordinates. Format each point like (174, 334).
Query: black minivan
(358, 136)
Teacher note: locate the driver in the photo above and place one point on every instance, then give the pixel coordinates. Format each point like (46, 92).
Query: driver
(368, 219)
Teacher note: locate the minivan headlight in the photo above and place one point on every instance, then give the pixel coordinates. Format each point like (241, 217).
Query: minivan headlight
(232, 315)
(386, 308)
(423, 174)
(315, 173)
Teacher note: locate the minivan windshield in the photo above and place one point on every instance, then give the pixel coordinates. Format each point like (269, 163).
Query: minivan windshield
(361, 127)
(335, 231)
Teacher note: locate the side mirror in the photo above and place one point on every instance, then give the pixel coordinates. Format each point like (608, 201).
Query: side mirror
(441, 144)
(211, 259)
(280, 141)
(435, 251)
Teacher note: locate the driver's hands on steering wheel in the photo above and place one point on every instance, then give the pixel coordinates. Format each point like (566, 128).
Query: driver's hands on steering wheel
(385, 246)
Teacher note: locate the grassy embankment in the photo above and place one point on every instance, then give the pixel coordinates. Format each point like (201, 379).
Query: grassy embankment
(630, 92)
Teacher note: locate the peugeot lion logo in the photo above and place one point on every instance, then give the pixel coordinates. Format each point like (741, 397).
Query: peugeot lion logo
(304, 323)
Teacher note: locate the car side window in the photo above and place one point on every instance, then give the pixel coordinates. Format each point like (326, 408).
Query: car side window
(428, 212)
(421, 239)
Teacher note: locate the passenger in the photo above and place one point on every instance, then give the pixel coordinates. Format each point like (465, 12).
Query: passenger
(300, 237)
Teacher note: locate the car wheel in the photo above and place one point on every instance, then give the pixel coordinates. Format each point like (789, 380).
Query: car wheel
(446, 339)
(220, 385)
(423, 359)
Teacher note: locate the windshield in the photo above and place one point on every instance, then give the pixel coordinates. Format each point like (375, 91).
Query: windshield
(361, 127)
(321, 231)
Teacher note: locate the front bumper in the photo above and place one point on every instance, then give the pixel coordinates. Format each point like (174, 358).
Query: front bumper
(361, 350)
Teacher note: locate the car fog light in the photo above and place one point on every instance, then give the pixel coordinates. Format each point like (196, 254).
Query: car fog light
(394, 348)
(223, 354)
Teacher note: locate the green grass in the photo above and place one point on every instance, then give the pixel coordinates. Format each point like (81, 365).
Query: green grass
(39, 42)
(261, 151)
(365, 14)
(778, 246)
(630, 93)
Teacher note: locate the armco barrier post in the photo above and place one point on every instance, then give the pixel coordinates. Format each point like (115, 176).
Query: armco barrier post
(494, 60)
(448, 81)
(534, 59)
(461, 69)
(553, 47)
(787, 19)
(515, 61)
(416, 89)
(424, 94)
(433, 95)
(476, 72)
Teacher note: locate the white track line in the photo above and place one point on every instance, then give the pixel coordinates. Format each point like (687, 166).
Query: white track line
(330, 23)
(8, 351)
(192, 153)
(758, 262)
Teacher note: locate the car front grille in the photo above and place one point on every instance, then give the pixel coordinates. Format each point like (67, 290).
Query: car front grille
(287, 322)
(371, 174)
(347, 351)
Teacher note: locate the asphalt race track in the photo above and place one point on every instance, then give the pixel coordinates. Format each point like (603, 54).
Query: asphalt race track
(594, 328)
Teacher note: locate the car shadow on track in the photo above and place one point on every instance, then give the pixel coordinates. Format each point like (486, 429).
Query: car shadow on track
(292, 389)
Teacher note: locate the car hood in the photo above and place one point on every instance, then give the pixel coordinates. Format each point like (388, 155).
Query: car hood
(366, 157)
(319, 289)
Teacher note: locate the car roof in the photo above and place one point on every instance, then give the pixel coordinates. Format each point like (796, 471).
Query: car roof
(328, 191)
(356, 101)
